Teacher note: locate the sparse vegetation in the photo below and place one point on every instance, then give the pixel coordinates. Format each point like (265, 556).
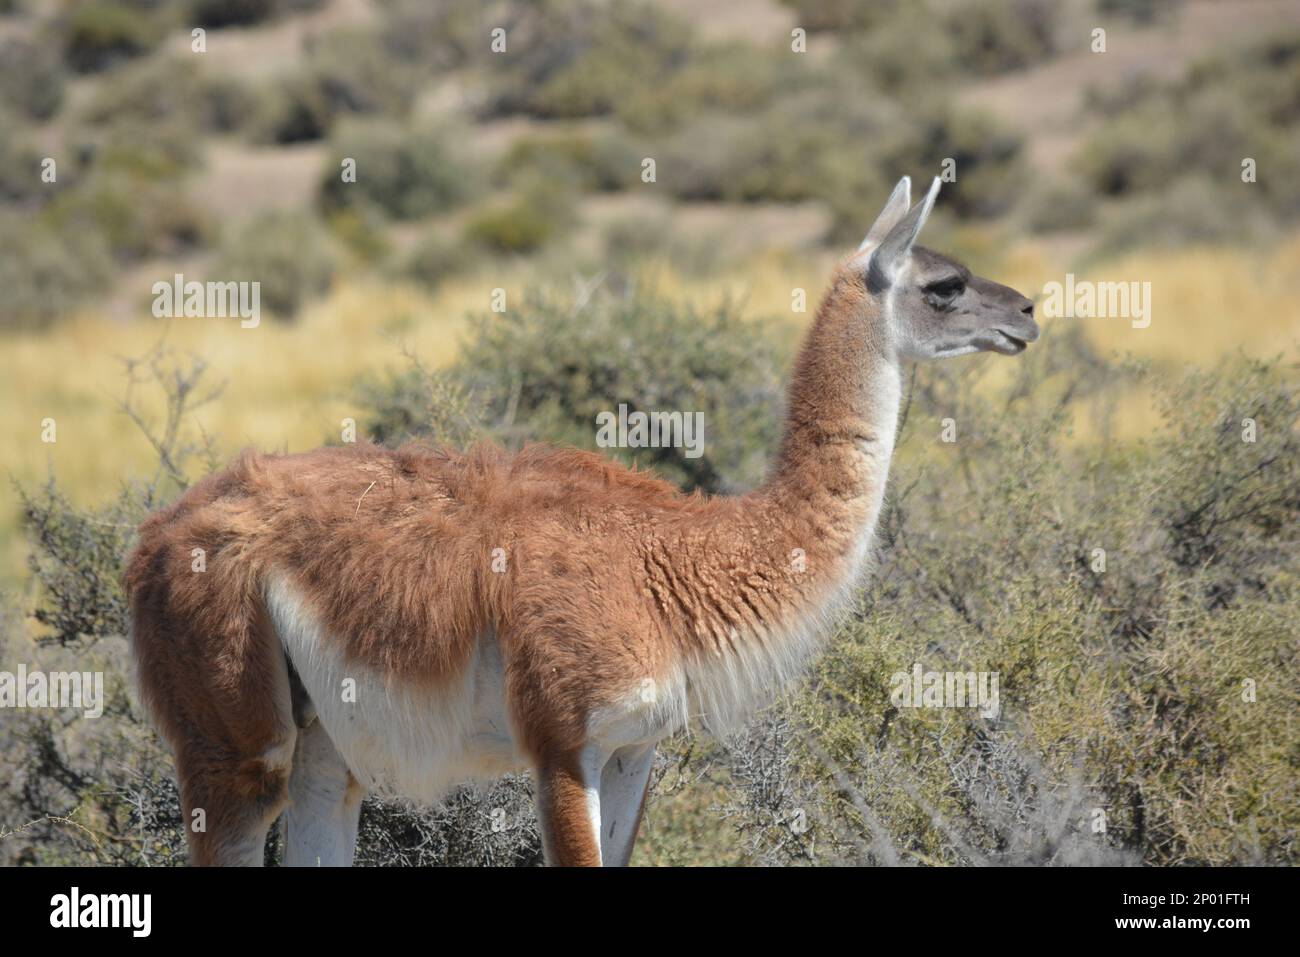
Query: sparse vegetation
(1145, 153)
(47, 273)
(584, 58)
(1122, 690)
(437, 257)
(1126, 677)
(539, 211)
(593, 162)
(405, 174)
(98, 34)
(1148, 691)
(31, 78)
(285, 252)
(138, 216)
(980, 36)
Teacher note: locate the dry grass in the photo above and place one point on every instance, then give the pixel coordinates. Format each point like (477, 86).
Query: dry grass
(1210, 302)
(240, 180)
(290, 385)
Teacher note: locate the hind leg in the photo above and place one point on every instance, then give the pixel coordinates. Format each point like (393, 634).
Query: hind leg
(234, 756)
(320, 826)
(623, 785)
(230, 803)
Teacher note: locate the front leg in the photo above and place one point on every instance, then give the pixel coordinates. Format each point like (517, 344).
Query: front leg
(568, 807)
(623, 785)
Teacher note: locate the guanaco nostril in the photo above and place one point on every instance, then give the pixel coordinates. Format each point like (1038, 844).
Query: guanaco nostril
(1028, 309)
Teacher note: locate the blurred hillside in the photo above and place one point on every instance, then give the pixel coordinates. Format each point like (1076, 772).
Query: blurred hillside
(480, 169)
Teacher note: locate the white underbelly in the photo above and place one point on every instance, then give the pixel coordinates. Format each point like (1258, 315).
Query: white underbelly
(411, 741)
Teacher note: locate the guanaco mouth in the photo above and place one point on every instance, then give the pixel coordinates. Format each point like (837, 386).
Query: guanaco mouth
(1009, 345)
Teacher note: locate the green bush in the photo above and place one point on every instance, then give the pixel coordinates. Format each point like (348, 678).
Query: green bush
(593, 162)
(363, 230)
(699, 163)
(546, 367)
(1182, 181)
(1122, 676)
(416, 403)
(242, 13)
(571, 58)
(632, 242)
(1141, 11)
(842, 16)
(346, 73)
(997, 36)
(97, 792)
(729, 78)
(437, 257)
(1139, 152)
(990, 174)
(228, 13)
(903, 57)
(1059, 205)
(405, 173)
(160, 151)
(136, 215)
(228, 102)
(168, 89)
(286, 252)
(99, 34)
(988, 166)
(542, 208)
(290, 110)
(976, 36)
(1192, 209)
(441, 35)
(20, 165)
(517, 228)
(801, 147)
(356, 75)
(45, 273)
(822, 144)
(31, 78)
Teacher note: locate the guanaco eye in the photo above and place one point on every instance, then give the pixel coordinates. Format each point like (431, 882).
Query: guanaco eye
(945, 290)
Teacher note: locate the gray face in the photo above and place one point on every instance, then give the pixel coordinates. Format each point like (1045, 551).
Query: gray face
(935, 307)
(941, 310)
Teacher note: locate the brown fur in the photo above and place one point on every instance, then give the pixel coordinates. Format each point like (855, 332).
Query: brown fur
(612, 575)
(562, 803)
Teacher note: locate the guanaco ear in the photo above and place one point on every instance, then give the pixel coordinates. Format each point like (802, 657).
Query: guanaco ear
(893, 249)
(895, 208)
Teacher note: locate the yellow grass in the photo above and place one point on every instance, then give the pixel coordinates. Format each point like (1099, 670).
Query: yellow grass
(289, 386)
(1206, 306)
(1209, 303)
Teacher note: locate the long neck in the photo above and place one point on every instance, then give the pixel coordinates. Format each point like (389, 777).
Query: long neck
(840, 424)
(751, 591)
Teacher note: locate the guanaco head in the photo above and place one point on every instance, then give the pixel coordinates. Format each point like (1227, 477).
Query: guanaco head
(934, 307)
